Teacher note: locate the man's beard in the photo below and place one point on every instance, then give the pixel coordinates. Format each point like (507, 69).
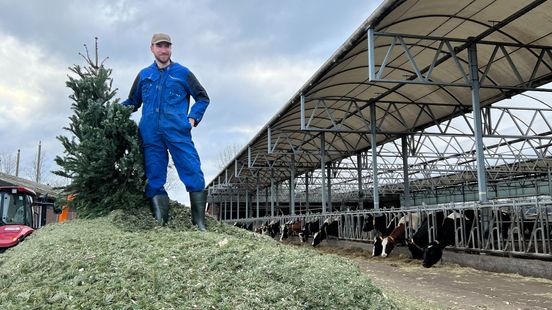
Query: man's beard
(163, 62)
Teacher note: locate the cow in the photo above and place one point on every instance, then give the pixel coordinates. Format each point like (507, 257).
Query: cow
(420, 240)
(272, 229)
(330, 227)
(398, 234)
(368, 223)
(388, 243)
(244, 226)
(259, 229)
(446, 236)
(382, 229)
(292, 228)
(310, 227)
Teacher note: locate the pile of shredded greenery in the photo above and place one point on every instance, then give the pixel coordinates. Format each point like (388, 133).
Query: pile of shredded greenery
(123, 261)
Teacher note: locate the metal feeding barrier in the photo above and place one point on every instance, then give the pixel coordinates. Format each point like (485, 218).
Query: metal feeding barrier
(520, 227)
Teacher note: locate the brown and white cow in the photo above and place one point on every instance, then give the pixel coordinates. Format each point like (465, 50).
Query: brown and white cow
(398, 234)
(291, 228)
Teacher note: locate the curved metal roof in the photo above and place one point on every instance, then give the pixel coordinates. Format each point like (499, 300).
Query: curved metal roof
(420, 77)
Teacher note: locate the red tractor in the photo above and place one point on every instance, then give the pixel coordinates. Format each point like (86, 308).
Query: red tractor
(17, 219)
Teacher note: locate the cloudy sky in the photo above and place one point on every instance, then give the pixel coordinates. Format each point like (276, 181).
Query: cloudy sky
(251, 56)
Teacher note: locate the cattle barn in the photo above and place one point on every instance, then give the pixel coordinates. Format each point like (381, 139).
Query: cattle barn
(428, 107)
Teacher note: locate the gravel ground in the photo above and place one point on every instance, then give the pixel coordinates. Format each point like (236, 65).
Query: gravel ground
(446, 285)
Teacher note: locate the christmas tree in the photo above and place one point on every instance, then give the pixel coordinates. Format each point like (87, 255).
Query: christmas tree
(102, 157)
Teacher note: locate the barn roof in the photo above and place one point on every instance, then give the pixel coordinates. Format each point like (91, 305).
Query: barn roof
(40, 189)
(409, 72)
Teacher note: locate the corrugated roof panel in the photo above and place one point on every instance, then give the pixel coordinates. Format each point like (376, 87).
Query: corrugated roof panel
(410, 107)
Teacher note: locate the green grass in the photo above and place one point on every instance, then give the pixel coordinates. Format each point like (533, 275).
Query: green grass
(123, 262)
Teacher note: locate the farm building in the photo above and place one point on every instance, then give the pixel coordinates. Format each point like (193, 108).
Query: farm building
(429, 106)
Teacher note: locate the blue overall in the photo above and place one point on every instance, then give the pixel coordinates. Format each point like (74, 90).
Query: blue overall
(165, 95)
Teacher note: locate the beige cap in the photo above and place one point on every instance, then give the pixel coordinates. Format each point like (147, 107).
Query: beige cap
(160, 37)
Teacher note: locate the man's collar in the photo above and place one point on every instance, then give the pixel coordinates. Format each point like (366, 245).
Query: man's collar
(164, 68)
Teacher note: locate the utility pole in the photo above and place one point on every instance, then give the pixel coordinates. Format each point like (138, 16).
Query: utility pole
(17, 163)
(38, 162)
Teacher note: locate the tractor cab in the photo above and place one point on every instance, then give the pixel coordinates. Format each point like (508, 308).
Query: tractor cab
(16, 215)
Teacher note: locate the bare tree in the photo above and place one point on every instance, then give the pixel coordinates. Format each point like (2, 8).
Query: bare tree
(56, 180)
(8, 163)
(228, 154)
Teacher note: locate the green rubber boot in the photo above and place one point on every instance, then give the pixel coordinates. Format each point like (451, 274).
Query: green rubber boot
(198, 200)
(160, 208)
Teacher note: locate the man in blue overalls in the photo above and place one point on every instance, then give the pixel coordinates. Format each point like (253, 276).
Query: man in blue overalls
(164, 89)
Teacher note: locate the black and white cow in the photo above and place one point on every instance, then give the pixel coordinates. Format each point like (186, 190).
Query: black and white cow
(368, 223)
(272, 229)
(330, 227)
(246, 226)
(420, 240)
(446, 236)
(311, 227)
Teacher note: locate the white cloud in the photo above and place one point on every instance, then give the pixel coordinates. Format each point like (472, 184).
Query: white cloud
(282, 75)
(29, 82)
(251, 57)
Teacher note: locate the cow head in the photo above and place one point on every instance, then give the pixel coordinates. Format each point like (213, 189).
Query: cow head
(318, 237)
(387, 245)
(308, 229)
(368, 223)
(377, 248)
(432, 254)
(416, 251)
(329, 227)
(284, 232)
(259, 230)
(303, 236)
(273, 228)
(305, 233)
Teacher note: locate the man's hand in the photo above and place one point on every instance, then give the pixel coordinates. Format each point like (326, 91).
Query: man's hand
(192, 121)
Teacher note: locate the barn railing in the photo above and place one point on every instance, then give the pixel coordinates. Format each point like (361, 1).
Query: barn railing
(514, 227)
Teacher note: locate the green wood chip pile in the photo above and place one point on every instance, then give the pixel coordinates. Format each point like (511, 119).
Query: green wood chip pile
(123, 262)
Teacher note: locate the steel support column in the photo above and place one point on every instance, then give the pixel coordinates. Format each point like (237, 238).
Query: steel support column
(373, 143)
(474, 75)
(307, 203)
(406, 182)
(272, 189)
(329, 184)
(359, 180)
(292, 187)
(231, 207)
(246, 204)
(277, 197)
(257, 197)
(266, 201)
(323, 170)
(238, 204)
(223, 210)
